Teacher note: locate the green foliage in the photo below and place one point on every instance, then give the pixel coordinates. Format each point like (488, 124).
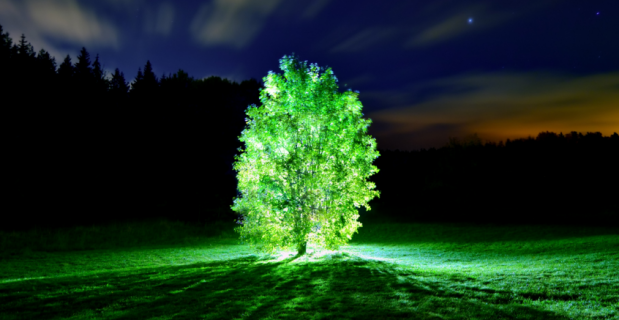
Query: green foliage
(302, 174)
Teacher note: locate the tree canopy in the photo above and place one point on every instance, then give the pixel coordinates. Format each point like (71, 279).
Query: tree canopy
(302, 174)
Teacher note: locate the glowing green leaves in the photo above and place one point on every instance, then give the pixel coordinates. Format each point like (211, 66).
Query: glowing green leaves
(307, 156)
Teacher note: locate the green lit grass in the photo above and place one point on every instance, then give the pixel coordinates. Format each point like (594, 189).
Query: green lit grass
(389, 271)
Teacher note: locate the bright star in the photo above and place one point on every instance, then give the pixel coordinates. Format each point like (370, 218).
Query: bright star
(470, 20)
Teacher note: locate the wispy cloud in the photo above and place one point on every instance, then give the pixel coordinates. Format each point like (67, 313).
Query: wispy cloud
(457, 24)
(314, 8)
(16, 20)
(68, 20)
(10, 9)
(46, 22)
(125, 4)
(367, 38)
(446, 29)
(435, 27)
(504, 106)
(231, 22)
(161, 20)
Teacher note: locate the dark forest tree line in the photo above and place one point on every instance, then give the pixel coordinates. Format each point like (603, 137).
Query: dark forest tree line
(552, 178)
(83, 144)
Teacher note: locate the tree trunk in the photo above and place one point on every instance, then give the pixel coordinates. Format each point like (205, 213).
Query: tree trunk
(302, 249)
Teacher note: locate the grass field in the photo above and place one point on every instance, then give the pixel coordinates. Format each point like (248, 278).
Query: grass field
(172, 270)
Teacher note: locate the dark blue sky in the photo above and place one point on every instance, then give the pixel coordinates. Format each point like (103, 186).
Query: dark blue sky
(426, 70)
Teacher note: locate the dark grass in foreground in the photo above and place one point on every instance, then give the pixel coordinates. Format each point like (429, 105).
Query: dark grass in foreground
(111, 235)
(416, 271)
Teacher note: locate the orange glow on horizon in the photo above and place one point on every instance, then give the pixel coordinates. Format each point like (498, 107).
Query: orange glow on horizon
(503, 106)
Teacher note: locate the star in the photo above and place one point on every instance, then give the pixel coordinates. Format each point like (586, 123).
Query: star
(470, 20)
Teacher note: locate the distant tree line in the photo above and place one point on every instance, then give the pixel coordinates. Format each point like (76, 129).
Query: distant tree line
(85, 147)
(553, 178)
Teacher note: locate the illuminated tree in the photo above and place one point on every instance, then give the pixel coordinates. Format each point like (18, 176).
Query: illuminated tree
(302, 174)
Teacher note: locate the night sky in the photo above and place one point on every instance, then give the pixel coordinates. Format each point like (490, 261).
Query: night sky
(425, 70)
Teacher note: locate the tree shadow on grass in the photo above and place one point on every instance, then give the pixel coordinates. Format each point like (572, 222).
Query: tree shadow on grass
(254, 288)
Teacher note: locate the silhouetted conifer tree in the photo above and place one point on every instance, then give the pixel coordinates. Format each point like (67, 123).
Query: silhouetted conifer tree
(6, 66)
(119, 88)
(136, 84)
(144, 95)
(66, 76)
(46, 78)
(5, 39)
(46, 64)
(5, 47)
(150, 80)
(24, 60)
(84, 76)
(25, 50)
(145, 85)
(101, 83)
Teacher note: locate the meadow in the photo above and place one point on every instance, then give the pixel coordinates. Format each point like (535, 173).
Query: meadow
(164, 269)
